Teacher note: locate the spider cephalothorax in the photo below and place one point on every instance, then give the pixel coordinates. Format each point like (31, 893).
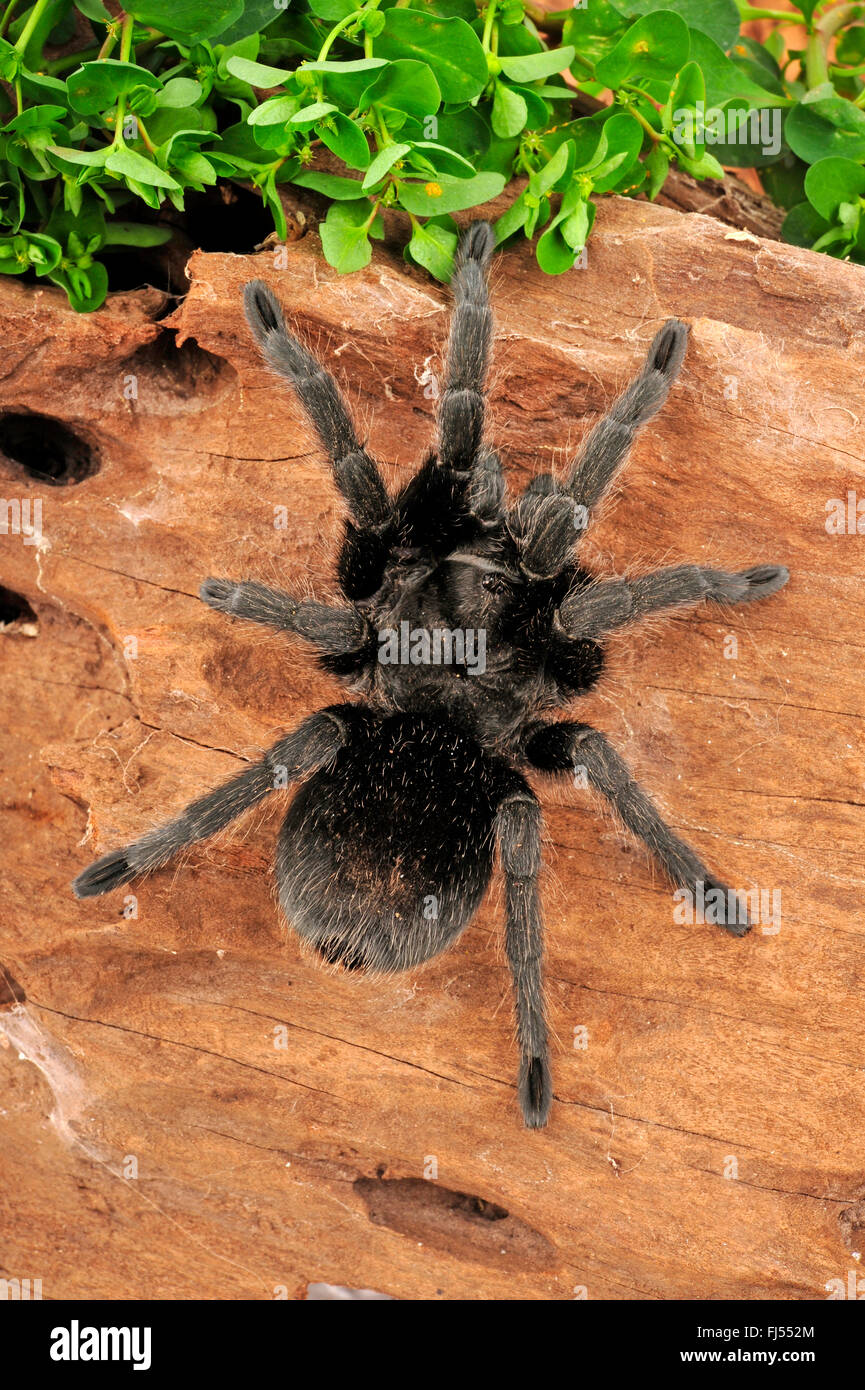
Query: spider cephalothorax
(464, 620)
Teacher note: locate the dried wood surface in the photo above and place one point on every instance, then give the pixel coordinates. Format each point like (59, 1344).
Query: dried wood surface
(285, 1122)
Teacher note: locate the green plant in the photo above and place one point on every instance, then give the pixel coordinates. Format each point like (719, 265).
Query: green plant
(430, 108)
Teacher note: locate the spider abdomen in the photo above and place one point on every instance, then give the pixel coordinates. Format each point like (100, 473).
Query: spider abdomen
(385, 854)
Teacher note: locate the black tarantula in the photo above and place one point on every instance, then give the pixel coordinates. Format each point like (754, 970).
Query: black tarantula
(406, 793)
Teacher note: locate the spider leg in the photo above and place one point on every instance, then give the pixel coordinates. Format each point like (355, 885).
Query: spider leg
(461, 406)
(518, 833)
(606, 446)
(457, 494)
(568, 746)
(355, 473)
(335, 631)
(599, 608)
(315, 742)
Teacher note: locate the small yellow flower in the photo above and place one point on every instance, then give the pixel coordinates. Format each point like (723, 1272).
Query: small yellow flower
(433, 190)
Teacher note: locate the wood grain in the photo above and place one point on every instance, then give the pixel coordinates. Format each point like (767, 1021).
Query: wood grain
(284, 1120)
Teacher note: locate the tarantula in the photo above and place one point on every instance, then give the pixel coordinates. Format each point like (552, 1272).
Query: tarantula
(407, 791)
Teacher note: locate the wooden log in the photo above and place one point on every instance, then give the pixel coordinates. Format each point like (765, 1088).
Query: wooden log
(193, 1108)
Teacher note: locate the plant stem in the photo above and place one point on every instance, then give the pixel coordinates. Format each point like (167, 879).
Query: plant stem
(836, 19)
(783, 16)
(148, 143)
(647, 125)
(489, 18)
(7, 15)
(816, 64)
(337, 29)
(547, 20)
(125, 50)
(35, 15)
(108, 42)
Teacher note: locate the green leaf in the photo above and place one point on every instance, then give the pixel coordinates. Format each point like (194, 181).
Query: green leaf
(179, 92)
(275, 111)
(466, 131)
(658, 164)
(803, 226)
(382, 162)
(332, 10)
(135, 234)
(806, 7)
(94, 9)
(555, 253)
(257, 16)
(186, 19)
(95, 87)
(822, 125)
(345, 138)
(512, 220)
(43, 252)
(656, 46)
(345, 236)
(833, 181)
(784, 181)
(544, 179)
(36, 118)
(851, 46)
(337, 66)
(687, 91)
(449, 46)
(532, 67)
(257, 74)
(446, 160)
(86, 289)
(705, 166)
(94, 159)
(331, 185)
(624, 140)
(593, 30)
(433, 247)
(406, 86)
(454, 196)
(131, 165)
(724, 80)
(717, 18)
(308, 115)
(538, 112)
(510, 112)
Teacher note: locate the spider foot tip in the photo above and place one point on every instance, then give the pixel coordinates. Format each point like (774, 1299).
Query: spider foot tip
(103, 874)
(216, 592)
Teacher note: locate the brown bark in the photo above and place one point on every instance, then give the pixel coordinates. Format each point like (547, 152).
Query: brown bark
(156, 1037)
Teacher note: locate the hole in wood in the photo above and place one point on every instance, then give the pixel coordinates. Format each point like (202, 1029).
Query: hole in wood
(16, 615)
(186, 370)
(11, 993)
(46, 449)
(226, 218)
(458, 1223)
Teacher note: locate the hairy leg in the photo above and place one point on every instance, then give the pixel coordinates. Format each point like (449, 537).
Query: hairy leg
(335, 631)
(518, 827)
(315, 742)
(606, 446)
(355, 473)
(457, 494)
(461, 405)
(599, 608)
(566, 746)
